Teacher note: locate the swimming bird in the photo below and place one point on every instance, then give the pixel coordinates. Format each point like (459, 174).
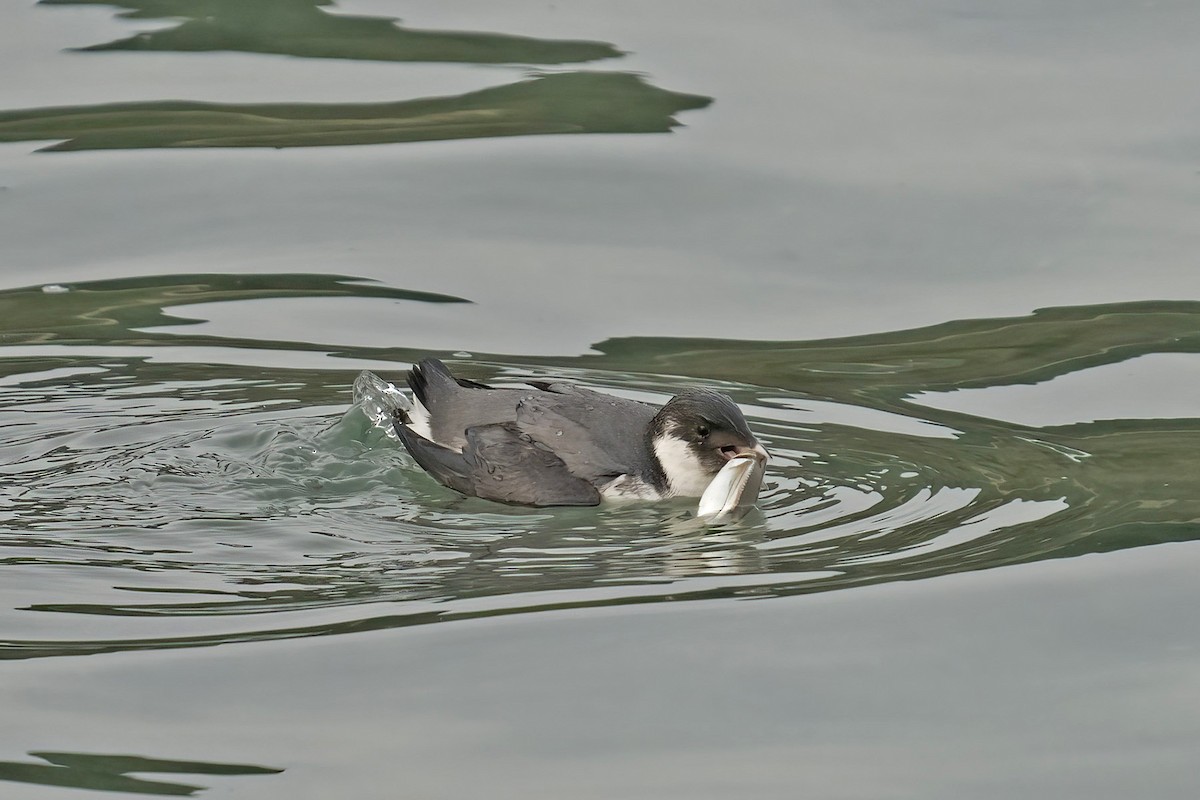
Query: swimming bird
(557, 444)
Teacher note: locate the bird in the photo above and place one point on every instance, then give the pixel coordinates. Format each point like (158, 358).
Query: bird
(559, 444)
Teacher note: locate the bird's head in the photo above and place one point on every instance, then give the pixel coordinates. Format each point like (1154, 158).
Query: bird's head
(695, 434)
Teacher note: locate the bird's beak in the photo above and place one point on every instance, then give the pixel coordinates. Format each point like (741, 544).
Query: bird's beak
(758, 452)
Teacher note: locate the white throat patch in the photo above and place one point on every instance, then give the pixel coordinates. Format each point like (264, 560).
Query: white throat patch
(685, 475)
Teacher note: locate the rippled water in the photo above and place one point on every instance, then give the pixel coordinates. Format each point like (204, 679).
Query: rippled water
(198, 503)
(972, 570)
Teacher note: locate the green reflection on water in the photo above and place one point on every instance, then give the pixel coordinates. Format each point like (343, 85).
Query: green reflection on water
(110, 773)
(960, 354)
(302, 28)
(112, 310)
(571, 102)
(883, 368)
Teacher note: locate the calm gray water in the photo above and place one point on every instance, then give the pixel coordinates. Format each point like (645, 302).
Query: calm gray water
(943, 254)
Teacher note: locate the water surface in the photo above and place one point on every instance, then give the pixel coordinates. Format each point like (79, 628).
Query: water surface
(940, 254)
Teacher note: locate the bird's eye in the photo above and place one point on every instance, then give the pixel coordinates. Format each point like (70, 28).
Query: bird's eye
(702, 430)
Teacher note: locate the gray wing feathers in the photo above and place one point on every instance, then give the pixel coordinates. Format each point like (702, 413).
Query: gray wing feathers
(502, 463)
(552, 444)
(448, 466)
(597, 436)
(455, 404)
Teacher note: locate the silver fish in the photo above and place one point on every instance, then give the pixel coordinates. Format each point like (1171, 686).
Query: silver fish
(734, 490)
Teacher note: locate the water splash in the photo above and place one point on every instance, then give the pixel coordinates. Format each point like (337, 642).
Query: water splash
(379, 401)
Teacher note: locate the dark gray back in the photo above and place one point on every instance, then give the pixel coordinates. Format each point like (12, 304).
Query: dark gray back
(597, 436)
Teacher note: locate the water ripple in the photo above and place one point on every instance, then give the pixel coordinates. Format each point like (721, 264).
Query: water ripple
(211, 504)
(156, 503)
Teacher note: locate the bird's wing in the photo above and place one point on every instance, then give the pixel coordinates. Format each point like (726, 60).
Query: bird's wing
(599, 437)
(502, 463)
(455, 404)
